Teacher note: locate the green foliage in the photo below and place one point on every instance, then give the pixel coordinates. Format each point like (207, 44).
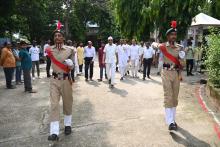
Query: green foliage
(214, 8)
(139, 18)
(212, 59)
(36, 18)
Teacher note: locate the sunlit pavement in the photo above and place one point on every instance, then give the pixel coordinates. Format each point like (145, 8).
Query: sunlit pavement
(130, 115)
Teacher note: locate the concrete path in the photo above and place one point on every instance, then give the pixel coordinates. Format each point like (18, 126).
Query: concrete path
(131, 115)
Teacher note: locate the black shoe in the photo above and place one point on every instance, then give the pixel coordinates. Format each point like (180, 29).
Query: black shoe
(128, 72)
(187, 74)
(109, 81)
(99, 80)
(176, 125)
(144, 79)
(67, 130)
(148, 77)
(18, 83)
(158, 73)
(11, 87)
(86, 80)
(91, 79)
(48, 76)
(53, 137)
(121, 79)
(111, 86)
(172, 126)
(191, 74)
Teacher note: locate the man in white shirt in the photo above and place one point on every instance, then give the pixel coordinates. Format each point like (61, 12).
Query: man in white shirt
(134, 58)
(147, 59)
(141, 50)
(47, 58)
(74, 59)
(110, 53)
(89, 57)
(122, 58)
(34, 51)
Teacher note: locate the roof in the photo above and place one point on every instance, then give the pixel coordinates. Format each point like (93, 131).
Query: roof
(204, 20)
(91, 24)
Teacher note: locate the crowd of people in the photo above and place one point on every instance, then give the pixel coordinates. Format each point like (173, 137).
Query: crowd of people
(16, 58)
(124, 57)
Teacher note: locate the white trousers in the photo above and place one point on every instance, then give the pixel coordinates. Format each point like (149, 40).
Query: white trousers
(134, 67)
(123, 70)
(160, 66)
(55, 127)
(110, 71)
(170, 115)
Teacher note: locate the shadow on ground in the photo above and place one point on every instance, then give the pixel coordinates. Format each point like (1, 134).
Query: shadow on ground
(187, 139)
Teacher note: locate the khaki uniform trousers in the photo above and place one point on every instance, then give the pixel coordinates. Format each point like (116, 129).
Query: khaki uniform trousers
(171, 84)
(60, 88)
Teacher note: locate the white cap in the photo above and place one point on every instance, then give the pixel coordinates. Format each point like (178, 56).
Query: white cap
(110, 38)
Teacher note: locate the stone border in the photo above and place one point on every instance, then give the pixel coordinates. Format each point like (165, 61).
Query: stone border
(213, 93)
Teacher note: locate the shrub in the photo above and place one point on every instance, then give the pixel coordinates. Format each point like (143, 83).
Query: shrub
(213, 58)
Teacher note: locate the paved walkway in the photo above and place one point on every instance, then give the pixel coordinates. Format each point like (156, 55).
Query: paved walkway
(131, 115)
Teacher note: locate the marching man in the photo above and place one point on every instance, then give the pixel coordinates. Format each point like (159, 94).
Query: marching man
(110, 53)
(171, 74)
(127, 52)
(134, 58)
(60, 85)
(122, 58)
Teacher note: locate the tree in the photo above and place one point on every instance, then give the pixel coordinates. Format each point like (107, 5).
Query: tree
(139, 18)
(215, 8)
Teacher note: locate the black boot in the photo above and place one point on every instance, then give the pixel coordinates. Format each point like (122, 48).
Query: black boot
(109, 81)
(172, 126)
(67, 130)
(53, 137)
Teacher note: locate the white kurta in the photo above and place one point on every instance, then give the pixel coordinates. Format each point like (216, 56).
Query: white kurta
(110, 52)
(123, 59)
(122, 55)
(134, 54)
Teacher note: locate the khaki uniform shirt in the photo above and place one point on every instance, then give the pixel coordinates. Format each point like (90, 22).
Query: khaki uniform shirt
(173, 51)
(66, 52)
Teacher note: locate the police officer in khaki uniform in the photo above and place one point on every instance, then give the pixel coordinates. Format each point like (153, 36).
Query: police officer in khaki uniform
(60, 85)
(171, 74)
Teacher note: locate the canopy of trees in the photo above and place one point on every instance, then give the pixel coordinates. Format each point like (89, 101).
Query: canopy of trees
(140, 17)
(36, 18)
(125, 18)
